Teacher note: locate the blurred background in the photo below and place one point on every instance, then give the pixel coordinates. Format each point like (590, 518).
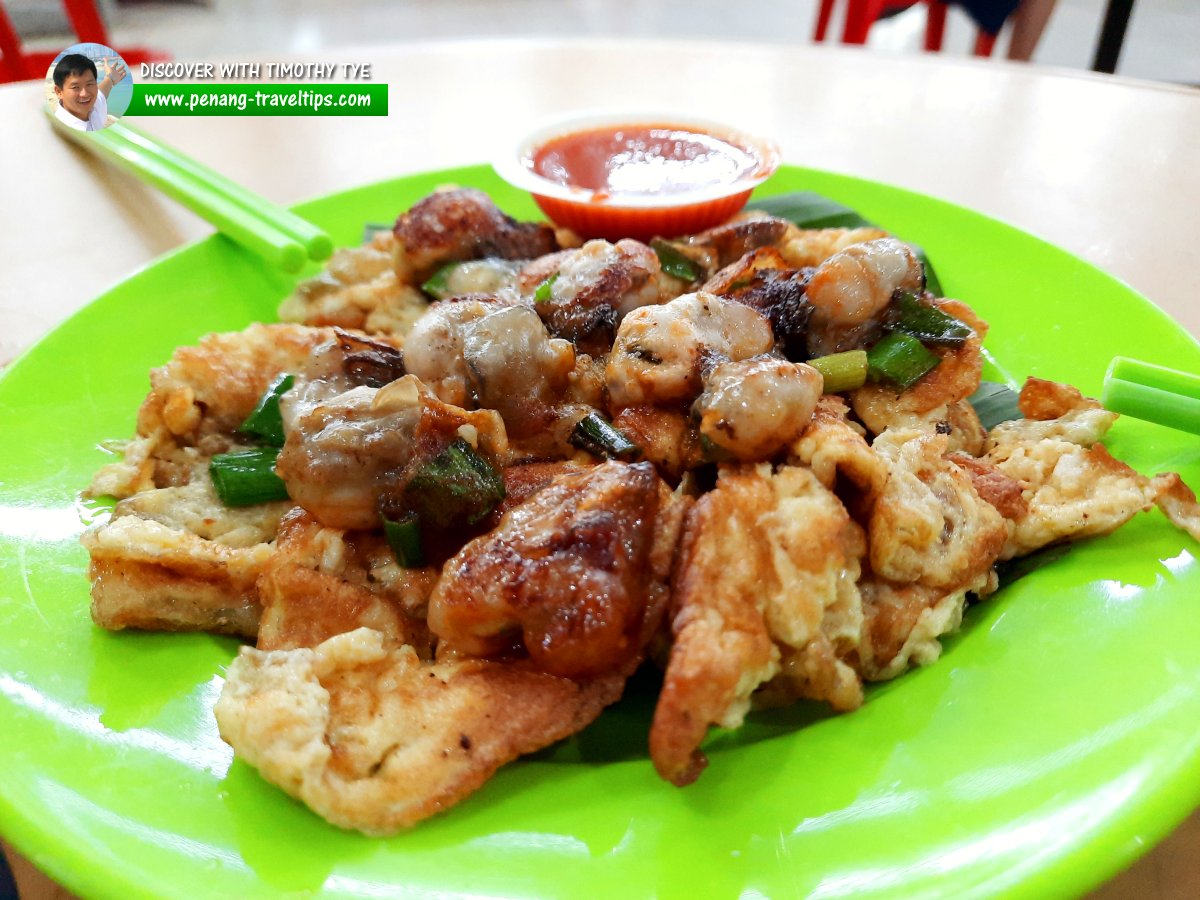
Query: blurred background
(1161, 40)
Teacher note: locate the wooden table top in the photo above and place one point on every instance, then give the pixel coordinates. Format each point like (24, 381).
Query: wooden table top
(1104, 167)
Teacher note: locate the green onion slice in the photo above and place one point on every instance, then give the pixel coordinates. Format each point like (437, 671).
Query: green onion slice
(404, 537)
(373, 228)
(542, 293)
(712, 452)
(266, 422)
(673, 262)
(995, 403)
(247, 477)
(928, 324)
(456, 485)
(901, 359)
(598, 437)
(438, 284)
(842, 371)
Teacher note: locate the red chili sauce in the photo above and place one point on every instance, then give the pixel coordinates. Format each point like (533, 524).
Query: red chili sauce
(617, 160)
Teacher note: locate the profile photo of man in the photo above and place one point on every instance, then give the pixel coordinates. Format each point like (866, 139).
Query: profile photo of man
(83, 96)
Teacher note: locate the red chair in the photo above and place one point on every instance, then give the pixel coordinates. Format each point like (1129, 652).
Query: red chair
(862, 14)
(17, 64)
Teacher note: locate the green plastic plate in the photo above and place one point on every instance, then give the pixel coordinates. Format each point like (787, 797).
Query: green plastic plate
(1056, 740)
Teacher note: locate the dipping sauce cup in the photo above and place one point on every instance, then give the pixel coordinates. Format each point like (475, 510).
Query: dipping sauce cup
(638, 175)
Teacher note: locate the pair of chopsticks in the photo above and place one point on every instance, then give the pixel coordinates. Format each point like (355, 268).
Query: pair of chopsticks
(1154, 393)
(276, 234)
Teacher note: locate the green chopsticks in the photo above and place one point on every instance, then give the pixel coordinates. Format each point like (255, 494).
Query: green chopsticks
(1154, 393)
(276, 234)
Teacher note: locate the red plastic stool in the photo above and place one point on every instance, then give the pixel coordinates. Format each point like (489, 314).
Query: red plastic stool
(862, 14)
(17, 64)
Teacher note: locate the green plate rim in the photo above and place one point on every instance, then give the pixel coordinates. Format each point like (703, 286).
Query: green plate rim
(1122, 840)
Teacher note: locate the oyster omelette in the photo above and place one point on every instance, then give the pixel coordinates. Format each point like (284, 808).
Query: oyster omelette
(483, 471)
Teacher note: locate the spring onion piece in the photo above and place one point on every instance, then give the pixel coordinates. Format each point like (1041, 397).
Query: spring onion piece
(673, 262)
(404, 537)
(842, 371)
(266, 423)
(927, 324)
(455, 486)
(247, 477)
(598, 437)
(438, 284)
(712, 452)
(900, 359)
(810, 210)
(995, 403)
(542, 294)
(373, 228)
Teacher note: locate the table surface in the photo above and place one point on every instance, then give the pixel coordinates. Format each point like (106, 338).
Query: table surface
(1104, 167)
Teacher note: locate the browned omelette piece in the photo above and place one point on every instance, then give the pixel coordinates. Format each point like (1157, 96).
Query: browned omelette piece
(321, 582)
(833, 447)
(928, 523)
(925, 516)
(766, 558)
(575, 576)
(358, 289)
(1177, 502)
(173, 557)
(176, 559)
(461, 224)
(903, 624)
(374, 739)
(199, 399)
(667, 437)
(812, 246)
(747, 231)
(1072, 487)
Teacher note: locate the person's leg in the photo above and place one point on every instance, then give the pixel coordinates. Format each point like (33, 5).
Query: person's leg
(1029, 21)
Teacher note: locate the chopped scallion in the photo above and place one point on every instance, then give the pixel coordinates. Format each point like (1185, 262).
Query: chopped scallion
(247, 477)
(404, 537)
(901, 359)
(455, 486)
(928, 324)
(598, 437)
(438, 284)
(542, 293)
(373, 228)
(842, 371)
(673, 262)
(266, 422)
(711, 451)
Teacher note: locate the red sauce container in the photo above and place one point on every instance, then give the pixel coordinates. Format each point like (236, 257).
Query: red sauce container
(638, 175)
